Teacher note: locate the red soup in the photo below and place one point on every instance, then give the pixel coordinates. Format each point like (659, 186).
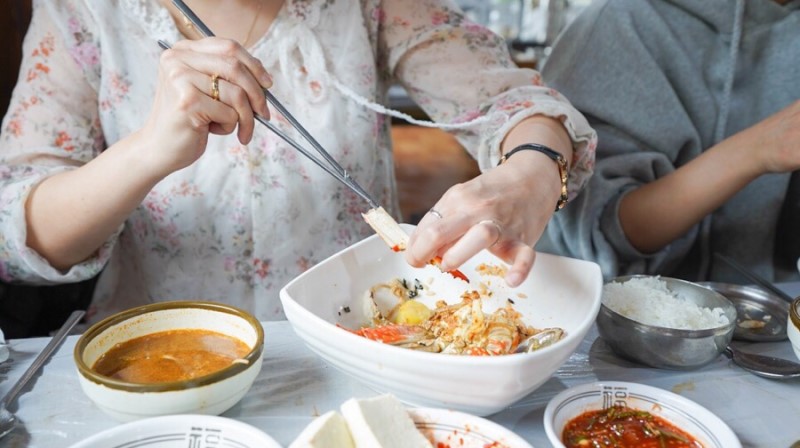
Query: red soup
(624, 428)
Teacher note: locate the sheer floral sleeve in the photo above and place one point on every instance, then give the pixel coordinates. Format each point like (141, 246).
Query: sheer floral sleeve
(51, 126)
(459, 71)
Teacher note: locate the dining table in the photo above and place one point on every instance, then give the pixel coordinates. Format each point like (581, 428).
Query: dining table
(295, 385)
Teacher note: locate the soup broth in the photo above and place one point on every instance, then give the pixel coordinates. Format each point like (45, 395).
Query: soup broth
(173, 355)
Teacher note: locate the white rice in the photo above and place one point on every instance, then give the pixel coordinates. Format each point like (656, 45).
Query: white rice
(648, 300)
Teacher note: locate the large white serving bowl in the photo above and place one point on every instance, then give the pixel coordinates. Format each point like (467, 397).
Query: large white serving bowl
(181, 431)
(697, 421)
(210, 394)
(560, 292)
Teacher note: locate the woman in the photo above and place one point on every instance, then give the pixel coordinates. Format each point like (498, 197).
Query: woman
(696, 107)
(149, 164)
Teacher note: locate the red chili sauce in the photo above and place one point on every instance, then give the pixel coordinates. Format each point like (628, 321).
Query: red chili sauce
(624, 428)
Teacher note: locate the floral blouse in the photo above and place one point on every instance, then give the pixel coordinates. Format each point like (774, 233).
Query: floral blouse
(243, 220)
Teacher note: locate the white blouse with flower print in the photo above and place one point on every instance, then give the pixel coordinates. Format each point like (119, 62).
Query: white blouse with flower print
(242, 221)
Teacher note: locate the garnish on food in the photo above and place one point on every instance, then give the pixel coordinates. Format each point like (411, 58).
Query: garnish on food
(624, 427)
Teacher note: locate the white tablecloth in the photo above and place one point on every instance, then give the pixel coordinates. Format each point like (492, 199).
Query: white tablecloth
(295, 385)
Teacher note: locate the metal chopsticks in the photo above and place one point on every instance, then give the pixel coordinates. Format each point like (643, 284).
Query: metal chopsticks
(753, 277)
(329, 164)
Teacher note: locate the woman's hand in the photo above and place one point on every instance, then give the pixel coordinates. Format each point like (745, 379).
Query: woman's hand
(504, 210)
(184, 112)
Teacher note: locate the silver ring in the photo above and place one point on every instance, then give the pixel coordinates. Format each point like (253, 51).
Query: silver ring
(497, 226)
(435, 213)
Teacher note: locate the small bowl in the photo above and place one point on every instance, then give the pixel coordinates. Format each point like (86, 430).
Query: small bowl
(668, 348)
(211, 394)
(697, 421)
(793, 326)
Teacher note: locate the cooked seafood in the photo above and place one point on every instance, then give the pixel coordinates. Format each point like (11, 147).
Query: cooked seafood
(396, 238)
(461, 328)
(490, 269)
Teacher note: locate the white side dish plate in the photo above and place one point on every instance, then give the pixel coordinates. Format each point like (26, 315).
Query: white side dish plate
(181, 431)
(685, 414)
(457, 429)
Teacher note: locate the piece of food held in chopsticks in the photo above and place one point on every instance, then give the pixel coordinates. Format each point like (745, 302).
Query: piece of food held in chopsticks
(462, 328)
(396, 238)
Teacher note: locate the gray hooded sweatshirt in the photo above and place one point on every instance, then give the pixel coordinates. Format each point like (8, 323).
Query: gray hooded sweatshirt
(661, 81)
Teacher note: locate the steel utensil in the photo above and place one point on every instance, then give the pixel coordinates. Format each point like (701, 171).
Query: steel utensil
(763, 366)
(7, 419)
(329, 164)
(381, 221)
(755, 278)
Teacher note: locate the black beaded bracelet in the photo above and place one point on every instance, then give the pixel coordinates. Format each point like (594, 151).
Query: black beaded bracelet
(563, 169)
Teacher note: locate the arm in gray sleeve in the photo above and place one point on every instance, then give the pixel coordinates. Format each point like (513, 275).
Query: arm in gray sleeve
(616, 66)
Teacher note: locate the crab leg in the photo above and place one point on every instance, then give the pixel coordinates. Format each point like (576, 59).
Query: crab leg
(396, 238)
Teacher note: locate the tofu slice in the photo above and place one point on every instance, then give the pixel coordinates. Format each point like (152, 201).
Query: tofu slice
(382, 422)
(329, 430)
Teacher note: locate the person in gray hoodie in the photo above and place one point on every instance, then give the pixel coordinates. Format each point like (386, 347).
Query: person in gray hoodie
(697, 112)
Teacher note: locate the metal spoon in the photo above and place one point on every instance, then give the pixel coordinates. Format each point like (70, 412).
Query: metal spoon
(764, 366)
(7, 419)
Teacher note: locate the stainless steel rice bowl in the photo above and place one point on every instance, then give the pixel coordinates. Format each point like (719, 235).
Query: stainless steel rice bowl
(668, 348)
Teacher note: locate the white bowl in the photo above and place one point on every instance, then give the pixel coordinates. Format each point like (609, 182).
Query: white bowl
(793, 326)
(697, 421)
(452, 428)
(211, 394)
(181, 431)
(560, 292)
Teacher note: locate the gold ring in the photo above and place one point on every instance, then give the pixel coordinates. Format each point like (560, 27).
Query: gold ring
(497, 226)
(215, 87)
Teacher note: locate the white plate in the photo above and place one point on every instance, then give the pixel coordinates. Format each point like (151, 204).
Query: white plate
(685, 414)
(181, 431)
(457, 429)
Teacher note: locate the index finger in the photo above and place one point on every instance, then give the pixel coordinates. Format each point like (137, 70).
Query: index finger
(231, 49)
(433, 236)
(229, 65)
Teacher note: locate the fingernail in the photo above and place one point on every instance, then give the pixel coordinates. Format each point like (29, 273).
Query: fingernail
(513, 279)
(266, 80)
